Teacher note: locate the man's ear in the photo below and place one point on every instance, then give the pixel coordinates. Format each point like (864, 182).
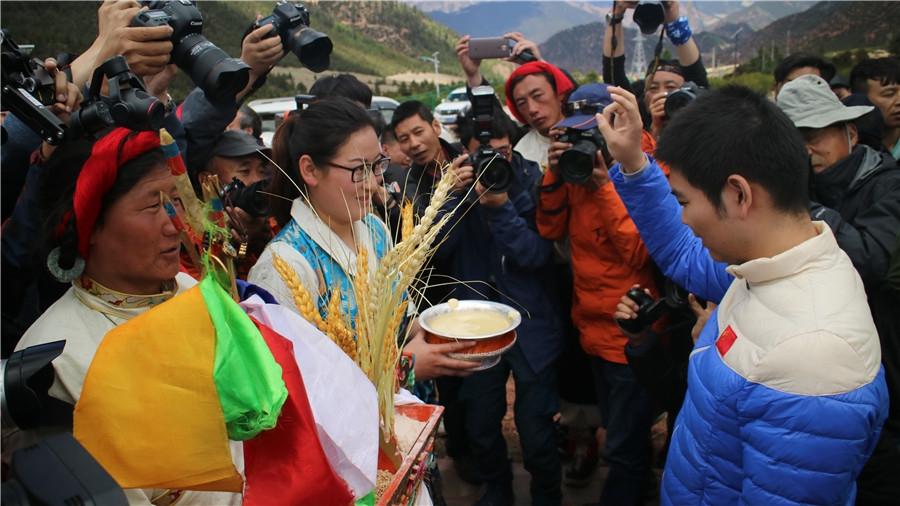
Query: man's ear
(436, 126)
(309, 173)
(853, 133)
(737, 196)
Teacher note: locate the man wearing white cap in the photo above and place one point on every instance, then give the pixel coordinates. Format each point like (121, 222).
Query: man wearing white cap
(856, 191)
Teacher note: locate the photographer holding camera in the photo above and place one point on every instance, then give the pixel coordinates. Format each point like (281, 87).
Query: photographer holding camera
(535, 92)
(664, 76)
(494, 250)
(578, 202)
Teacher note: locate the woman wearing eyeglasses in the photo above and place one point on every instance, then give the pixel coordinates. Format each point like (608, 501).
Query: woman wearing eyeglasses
(331, 167)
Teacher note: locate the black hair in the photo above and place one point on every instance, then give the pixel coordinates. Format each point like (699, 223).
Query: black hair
(547, 75)
(388, 136)
(342, 85)
(734, 130)
(800, 60)
(884, 70)
(670, 66)
(318, 131)
(58, 188)
(501, 126)
(869, 126)
(409, 109)
(250, 119)
(378, 121)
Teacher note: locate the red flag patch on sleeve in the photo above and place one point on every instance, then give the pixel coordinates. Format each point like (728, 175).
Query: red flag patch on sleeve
(725, 340)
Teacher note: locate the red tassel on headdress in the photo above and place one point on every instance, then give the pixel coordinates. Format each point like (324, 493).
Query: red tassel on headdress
(99, 174)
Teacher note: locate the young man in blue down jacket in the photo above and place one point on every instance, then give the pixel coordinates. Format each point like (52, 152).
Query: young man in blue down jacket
(786, 395)
(494, 250)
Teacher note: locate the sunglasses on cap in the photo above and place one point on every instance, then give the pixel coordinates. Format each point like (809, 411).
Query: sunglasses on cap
(583, 107)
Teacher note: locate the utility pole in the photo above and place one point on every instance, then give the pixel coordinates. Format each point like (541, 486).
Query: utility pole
(639, 63)
(437, 65)
(735, 39)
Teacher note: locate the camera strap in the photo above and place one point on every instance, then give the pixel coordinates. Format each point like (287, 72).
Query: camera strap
(656, 54)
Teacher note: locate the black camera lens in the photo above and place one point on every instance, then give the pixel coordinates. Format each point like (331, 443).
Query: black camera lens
(220, 76)
(138, 111)
(577, 163)
(249, 198)
(312, 48)
(648, 16)
(493, 170)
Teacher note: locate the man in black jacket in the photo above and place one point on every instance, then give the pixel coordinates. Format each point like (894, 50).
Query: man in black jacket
(856, 191)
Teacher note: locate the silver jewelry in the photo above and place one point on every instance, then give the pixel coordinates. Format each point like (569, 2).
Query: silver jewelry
(64, 275)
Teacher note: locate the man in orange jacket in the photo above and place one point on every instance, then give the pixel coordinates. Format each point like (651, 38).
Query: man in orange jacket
(608, 257)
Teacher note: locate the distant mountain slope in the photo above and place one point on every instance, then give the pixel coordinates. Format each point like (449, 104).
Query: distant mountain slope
(537, 20)
(379, 38)
(830, 26)
(825, 26)
(760, 14)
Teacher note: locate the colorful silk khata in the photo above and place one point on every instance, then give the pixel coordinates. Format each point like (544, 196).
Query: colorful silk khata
(167, 390)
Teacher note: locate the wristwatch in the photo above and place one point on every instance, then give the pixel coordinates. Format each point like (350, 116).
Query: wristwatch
(612, 20)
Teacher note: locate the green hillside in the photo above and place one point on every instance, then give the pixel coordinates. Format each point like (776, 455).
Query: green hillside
(379, 38)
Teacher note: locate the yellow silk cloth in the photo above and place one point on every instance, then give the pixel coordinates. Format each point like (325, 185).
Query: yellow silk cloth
(162, 428)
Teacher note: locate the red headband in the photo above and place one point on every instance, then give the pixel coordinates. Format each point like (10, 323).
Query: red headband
(564, 84)
(98, 175)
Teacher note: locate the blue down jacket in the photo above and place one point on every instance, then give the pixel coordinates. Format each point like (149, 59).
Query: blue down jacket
(786, 395)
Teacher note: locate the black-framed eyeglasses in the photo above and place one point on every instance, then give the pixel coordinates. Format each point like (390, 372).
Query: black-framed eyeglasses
(362, 172)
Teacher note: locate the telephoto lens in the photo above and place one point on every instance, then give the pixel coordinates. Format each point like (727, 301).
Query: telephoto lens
(219, 76)
(291, 23)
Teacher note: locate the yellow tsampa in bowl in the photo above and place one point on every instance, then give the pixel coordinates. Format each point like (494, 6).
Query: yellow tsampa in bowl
(491, 325)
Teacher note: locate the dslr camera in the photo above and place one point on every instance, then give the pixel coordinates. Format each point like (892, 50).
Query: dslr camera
(649, 16)
(576, 164)
(680, 98)
(650, 310)
(127, 105)
(27, 89)
(492, 169)
(217, 74)
(291, 23)
(248, 198)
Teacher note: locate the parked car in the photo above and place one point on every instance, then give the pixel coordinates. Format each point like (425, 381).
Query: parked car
(456, 103)
(272, 111)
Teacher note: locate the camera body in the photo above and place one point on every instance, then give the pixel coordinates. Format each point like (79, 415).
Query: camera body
(248, 198)
(220, 76)
(492, 169)
(128, 104)
(291, 23)
(682, 97)
(650, 310)
(27, 89)
(576, 164)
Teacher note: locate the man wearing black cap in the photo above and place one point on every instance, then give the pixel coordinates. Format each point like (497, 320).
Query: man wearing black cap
(237, 155)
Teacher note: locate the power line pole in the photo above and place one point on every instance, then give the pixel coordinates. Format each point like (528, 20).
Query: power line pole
(437, 65)
(639, 63)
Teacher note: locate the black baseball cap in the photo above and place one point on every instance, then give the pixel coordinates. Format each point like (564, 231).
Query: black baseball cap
(235, 143)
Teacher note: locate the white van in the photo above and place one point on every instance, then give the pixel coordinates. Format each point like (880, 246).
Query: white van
(272, 111)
